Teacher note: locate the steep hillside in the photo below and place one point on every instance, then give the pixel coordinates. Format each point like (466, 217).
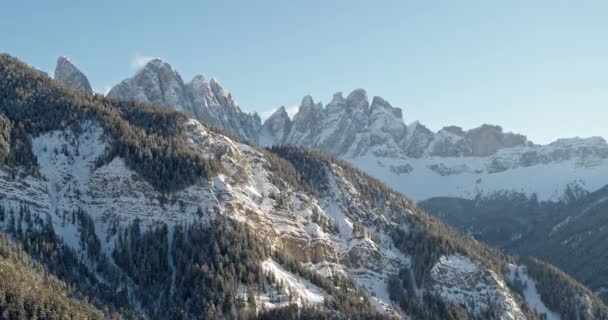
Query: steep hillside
(28, 292)
(568, 234)
(151, 213)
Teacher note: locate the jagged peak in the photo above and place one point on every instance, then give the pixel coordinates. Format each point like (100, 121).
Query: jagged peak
(358, 99)
(337, 98)
(156, 64)
(281, 110)
(63, 59)
(307, 102)
(280, 113)
(414, 124)
(64, 62)
(453, 130)
(217, 87)
(68, 74)
(199, 78)
(378, 103)
(417, 126)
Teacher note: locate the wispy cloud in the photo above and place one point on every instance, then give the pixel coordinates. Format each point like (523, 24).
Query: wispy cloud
(291, 111)
(139, 61)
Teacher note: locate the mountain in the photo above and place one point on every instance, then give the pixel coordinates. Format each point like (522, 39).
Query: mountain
(150, 213)
(207, 101)
(69, 75)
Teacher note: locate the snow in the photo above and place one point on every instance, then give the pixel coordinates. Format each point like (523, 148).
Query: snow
(547, 181)
(463, 281)
(302, 288)
(531, 295)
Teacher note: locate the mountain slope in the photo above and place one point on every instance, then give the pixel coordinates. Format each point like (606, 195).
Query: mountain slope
(27, 292)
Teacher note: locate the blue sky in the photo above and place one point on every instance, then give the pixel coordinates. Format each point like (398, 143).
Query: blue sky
(535, 67)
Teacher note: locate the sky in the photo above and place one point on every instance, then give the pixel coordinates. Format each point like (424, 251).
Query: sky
(539, 68)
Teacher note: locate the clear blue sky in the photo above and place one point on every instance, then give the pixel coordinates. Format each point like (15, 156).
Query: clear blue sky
(534, 67)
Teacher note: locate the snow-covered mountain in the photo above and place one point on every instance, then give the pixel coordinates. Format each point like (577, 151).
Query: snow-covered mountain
(94, 181)
(158, 83)
(451, 162)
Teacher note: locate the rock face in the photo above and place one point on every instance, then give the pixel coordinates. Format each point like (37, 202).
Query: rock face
(351, 127)
(206, 101)
(275, 128)
(451, 162)
(69, 75)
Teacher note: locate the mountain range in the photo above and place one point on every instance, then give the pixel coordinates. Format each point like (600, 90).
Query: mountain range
(152, 213)
(374, 137)
(480, 165)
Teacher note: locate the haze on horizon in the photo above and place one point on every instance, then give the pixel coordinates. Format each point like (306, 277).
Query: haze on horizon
(534, 68)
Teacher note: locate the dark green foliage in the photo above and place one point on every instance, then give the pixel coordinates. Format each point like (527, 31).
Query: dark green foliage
(5, 137)
(310, 169)
(561, 293)
(494, 220)
(40, 241)
(427, 239)
(401, 290)
(211, 261)
(28, 292)
(88, 237)
(150, 139)
(143, 254)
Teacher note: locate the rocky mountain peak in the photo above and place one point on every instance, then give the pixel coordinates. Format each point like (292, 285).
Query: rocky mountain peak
(337, 103)
(155, 63)
(198, 80)
(280, 113)
(307, 103)
(488, 139)
(357, 100)
(378, 103)
(454, 130)
(275, 128)
(209, 102)
(158, 83)
(337, 98)
(69, 75)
